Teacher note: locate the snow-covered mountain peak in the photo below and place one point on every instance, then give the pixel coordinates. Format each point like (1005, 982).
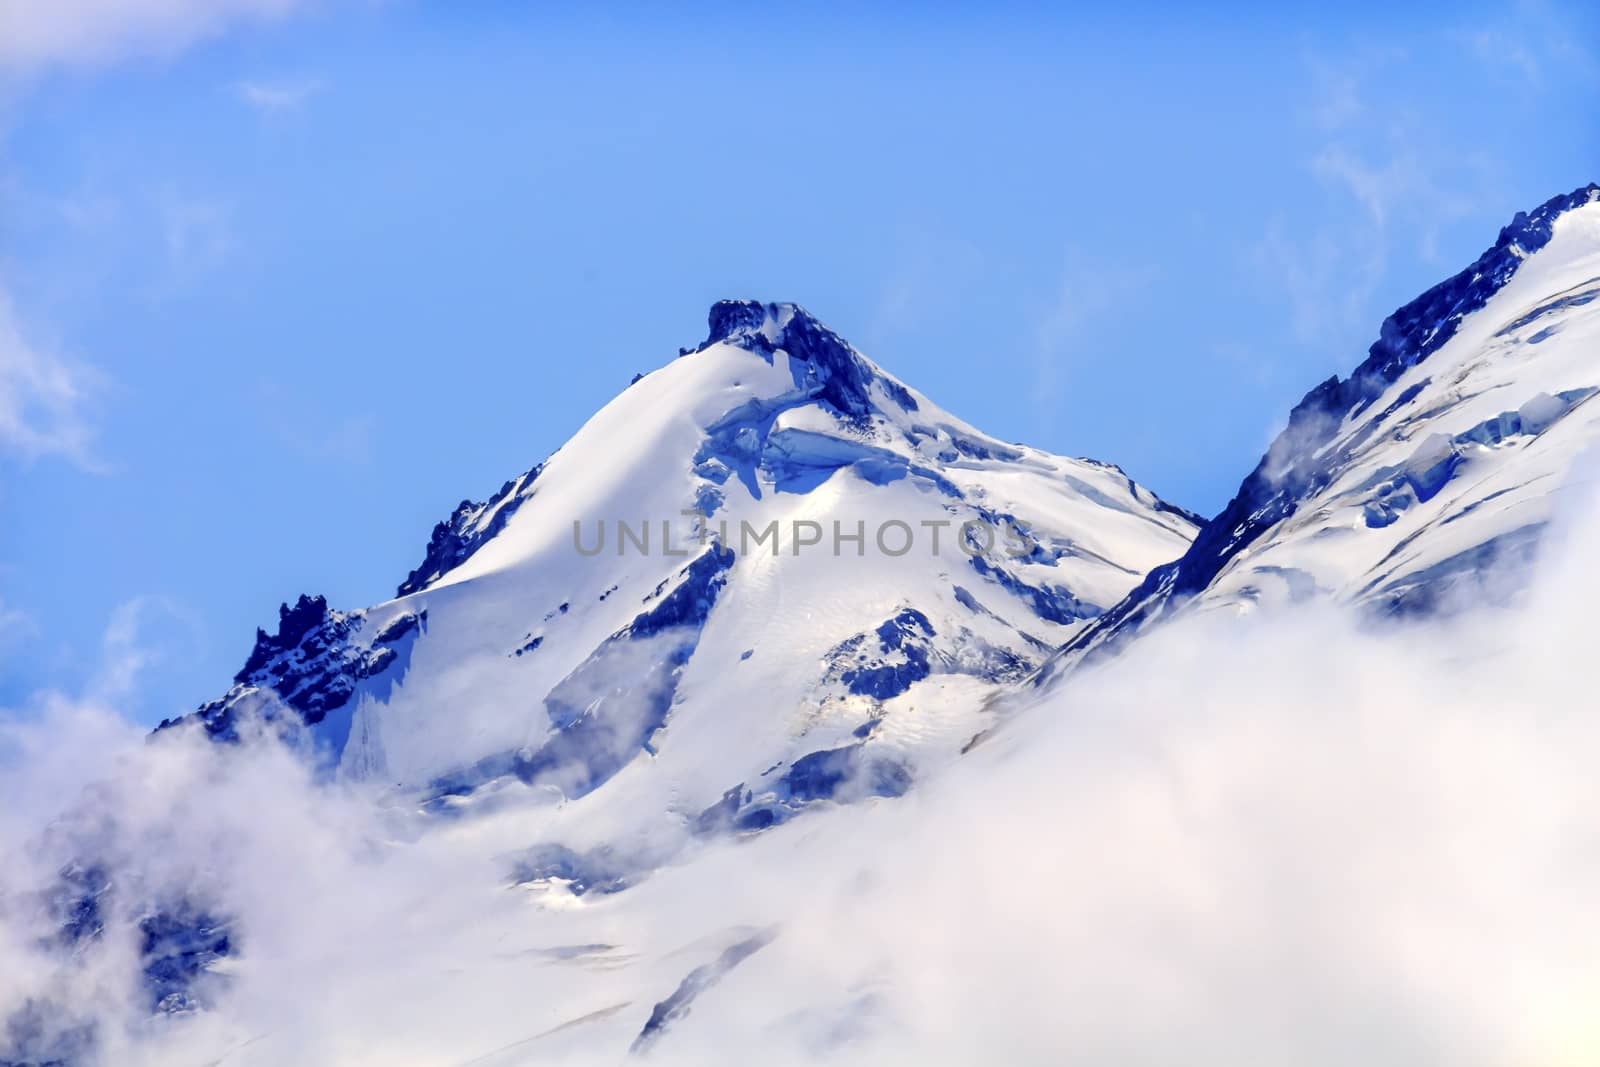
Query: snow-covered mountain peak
(765, 575)
(753, 588)
(1409, 484)
(823, 364)
(764, 327)
(736, 320)
(1421, 327)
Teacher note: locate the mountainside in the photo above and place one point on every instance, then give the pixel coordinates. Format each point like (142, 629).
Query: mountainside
(1423, 480)
(761, 569)
(609, 776)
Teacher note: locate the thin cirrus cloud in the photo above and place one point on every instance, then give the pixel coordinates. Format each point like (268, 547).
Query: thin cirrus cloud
(1398, 180)
(1387, 157)
(1533, 47)
(14, 625)
(278, 97)
(44, 398)
(1090, 287)
(36, 36)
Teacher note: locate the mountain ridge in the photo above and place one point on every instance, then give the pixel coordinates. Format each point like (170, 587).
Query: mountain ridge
(1294, 466)
(772, 410)
(621, 735)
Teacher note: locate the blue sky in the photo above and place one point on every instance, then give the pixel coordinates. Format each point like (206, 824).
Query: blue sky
(282, 282)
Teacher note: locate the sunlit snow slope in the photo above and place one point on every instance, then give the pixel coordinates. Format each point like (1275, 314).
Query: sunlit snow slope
(552, 810)
(1422, 481)
(739, 677)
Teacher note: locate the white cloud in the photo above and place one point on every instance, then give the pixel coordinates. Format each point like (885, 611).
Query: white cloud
(1386, 150)
(1331, 274)
(924, 273)
(44, 398)
(278, 97)
(1396, 183)
(198, 233)
(123, 656)
(1507, 56)
(352, 439)
(1088, 289)
(15, 624)
(1533, 46)
(37, 34)
(1288, 839)
(1338, 97)
(349, 437)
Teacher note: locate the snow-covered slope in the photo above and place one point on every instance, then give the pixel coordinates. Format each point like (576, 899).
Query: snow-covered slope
(553, 811)
(717, 665)
(1423, 480)
(766, 578)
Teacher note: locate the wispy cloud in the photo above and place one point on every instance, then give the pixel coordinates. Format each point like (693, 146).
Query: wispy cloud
(927, 272)
(15, 625)
(1394, 178)
(44, 398)
(349, 438)
(1400, 200)
(197, 231)
(278, 97)
(123, 656)
(142, 633)
(37, 35)
(1532, 45)
(1338, 97)
(1087, 291)
(1326, 280)
(1394, 184)
(1509, 57)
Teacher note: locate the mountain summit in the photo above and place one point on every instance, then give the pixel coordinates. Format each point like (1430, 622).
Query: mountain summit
(664, 683)
(770, 573)
(766, 574)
